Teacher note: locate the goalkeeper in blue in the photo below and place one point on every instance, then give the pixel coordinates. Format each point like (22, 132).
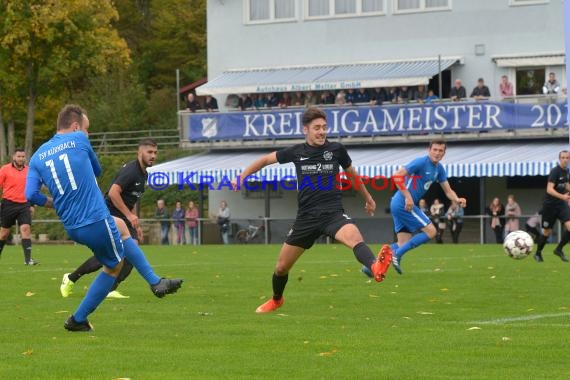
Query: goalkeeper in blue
(68, 167)
(411, 225)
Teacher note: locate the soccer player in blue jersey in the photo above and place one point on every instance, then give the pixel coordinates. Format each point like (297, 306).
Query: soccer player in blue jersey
(68, 166)
(413, 180)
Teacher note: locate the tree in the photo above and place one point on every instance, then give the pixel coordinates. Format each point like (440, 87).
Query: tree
(51, 46)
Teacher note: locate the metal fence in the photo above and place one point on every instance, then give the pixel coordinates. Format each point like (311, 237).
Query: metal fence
(476, 229)
(125, 141)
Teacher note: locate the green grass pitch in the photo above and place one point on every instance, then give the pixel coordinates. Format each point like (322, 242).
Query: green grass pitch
(458, 312)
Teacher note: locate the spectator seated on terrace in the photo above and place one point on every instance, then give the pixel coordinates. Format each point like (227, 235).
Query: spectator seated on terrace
(310, 99)
(404, 95)
(505, 87)
(551, 86)
(350, 96)
(431, 97)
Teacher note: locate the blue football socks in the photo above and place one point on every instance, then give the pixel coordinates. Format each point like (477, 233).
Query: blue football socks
(414, 242)
(96, 293)
(136, 257)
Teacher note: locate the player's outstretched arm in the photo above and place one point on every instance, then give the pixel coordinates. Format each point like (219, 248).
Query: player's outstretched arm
(370, 204)
(451, 195)
(257, 165)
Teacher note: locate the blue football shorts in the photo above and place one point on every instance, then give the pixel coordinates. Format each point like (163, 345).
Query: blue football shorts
(407, 221)
(103, 238)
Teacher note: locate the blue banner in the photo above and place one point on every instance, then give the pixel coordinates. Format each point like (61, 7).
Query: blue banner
(379, 121)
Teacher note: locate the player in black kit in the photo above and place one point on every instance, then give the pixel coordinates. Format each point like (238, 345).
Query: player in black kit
(320, 211)
(555, 206)
(125, 191)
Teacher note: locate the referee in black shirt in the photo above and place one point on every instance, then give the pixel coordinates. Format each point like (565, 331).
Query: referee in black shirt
(555, 206)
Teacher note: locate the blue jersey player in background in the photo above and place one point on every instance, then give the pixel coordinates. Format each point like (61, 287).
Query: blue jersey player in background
(413, 180)
(68, 166)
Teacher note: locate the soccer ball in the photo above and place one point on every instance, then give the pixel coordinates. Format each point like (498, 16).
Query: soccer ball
(518, 245)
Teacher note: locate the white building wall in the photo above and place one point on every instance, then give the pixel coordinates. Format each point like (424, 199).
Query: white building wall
(501, 28)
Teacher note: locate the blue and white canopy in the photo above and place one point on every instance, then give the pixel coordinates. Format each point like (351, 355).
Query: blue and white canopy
(410, 72)
(461, 160)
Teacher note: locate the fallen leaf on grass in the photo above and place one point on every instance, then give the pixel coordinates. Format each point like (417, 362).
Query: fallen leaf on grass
(328, 353)
(29, 294)
(425, 313)
(505, 339)
(62, 312)
(28, 352)
(323, 277)
(444, 289)
(373, 296)
(474, 328)
(493, 277)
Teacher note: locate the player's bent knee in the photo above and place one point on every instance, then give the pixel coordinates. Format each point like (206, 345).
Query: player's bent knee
(114, 272)
(122, 227)
(430, 231)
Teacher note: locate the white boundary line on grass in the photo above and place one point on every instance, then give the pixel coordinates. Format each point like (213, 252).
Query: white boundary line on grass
(500, 321)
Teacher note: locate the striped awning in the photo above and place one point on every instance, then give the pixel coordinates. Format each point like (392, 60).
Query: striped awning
(461, 160)
(530, 59)
(327, 77)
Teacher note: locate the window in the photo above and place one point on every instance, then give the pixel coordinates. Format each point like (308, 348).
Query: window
(343, 8)
(527, 2)
(260, 11)
(530, 81)
(409, 6)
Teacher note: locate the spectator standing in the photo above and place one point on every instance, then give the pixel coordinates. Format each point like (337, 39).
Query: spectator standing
(223, 220)
(513, 213)
(532, 226)
(420, 94)
(245, 102)
(481, 91)
(496, 211)
(551, 86)
(423, 207)
(362, 96)
(161, 213)
(310, 99)
(437, 213)
(15, 207)
(298, 99)
(192, 104)
(455, 215)
(285, 100)
(378, 96)
(211, 104)
(457, 92)
(505, 87)
(340, 98)
(192, 215)
(179, 219)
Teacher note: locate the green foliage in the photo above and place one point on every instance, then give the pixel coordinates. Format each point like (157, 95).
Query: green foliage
(118, 59)
(458, 312)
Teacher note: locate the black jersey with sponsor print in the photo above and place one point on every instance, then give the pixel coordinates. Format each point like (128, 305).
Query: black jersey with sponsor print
(132, 178)
(317, 175)
(560, 178)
